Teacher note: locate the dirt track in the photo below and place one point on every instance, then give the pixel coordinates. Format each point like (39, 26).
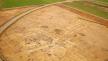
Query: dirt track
(54, 35)
(6, 15)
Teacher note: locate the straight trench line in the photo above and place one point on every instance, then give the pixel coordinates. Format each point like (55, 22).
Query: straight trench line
(16, 18)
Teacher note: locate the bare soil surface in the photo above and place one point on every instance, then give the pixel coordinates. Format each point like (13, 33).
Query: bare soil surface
(54, 34)
(6, 15)
(86, 15)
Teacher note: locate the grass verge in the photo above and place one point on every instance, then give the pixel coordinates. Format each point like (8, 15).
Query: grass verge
(17, 3)
(101, 2)
(90, 8)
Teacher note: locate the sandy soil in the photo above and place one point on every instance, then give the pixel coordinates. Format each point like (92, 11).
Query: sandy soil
(54, 34)
(6, 15)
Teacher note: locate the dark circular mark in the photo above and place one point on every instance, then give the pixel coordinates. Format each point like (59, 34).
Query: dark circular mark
(44, 26)
(49, 54)
(75, 35)
(105, 49)
(0, 40)
(30, 59)
(82, 34)
(21, 57)
(58, 31)
(105, 59)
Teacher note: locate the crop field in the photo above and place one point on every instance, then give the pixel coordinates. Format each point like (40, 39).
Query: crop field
(17, 3)
(95, 9)
(104, 1)
(101, 2)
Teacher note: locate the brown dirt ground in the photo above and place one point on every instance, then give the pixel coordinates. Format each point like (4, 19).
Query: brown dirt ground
(6, 15)
(90, 17)
(54, 35)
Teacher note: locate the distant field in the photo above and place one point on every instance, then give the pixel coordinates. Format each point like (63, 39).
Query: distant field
(90, 8)
(16, 3)
(102, 2)
(105, 1)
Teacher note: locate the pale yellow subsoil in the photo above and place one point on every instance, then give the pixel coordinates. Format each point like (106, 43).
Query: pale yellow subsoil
(55, 34)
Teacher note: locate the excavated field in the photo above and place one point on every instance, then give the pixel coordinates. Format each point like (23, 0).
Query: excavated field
(54, 34)
(7, 14)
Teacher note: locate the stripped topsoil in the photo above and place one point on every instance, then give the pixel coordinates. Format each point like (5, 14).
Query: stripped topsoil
(7, 14)
(48, 34)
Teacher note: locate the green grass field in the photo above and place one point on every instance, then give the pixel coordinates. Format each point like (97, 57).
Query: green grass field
(90, 8)
(102, 2)
(105, 1)
(17, 3)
